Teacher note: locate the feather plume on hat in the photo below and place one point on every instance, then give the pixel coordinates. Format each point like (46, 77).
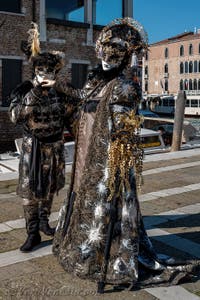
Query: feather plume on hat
(31, 47)
(33, 39)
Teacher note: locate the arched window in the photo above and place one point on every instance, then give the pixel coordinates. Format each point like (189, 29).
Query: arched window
(190, 67)
(166, 53)
(190, 49)
(199, 84)
(195, 85)
(186, 84)
(190, 85)
(166, 68)
(181, 84)
(181, 50)
(146, 70)
(166, 85)
(195, 66)
(186, 67)
(181, 68)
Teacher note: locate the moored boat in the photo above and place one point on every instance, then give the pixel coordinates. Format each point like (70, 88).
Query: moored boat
(165, 105)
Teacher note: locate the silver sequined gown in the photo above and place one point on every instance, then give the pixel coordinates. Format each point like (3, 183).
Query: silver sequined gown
(102, 206)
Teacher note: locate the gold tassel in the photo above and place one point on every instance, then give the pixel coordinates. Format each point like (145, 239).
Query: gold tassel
(125, 153)
(33, 39)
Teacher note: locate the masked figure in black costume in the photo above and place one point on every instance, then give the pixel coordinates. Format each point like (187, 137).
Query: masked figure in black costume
(43, 112)
(100, 233)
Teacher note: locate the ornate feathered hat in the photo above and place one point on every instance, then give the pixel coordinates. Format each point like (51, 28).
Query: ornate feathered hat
(31, 48)
(125, 32)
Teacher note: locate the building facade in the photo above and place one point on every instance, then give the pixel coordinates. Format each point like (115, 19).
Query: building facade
(70, 26)
(172, 65)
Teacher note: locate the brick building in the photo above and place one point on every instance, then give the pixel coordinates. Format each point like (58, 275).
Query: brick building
(172, 65)
(71, 26)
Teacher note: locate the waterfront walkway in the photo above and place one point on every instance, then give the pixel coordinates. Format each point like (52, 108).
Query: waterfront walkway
(171, 209)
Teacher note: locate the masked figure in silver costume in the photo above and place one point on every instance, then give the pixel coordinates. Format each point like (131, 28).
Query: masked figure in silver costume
(100, 233)
(43, 112)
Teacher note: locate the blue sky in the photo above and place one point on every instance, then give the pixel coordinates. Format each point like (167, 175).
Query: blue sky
(166, 18)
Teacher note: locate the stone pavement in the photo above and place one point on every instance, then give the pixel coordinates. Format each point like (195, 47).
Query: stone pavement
(171, 209)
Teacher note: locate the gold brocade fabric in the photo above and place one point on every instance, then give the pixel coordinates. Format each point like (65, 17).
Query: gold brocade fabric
(125, 151)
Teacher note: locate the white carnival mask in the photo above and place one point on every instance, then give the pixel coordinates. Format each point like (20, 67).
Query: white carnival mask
(112, 55)
(43, 74)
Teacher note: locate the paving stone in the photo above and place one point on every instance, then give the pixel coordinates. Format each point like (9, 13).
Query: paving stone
(171, 168)
(157, 164)
(157, 206)
(171, 179)
(151, 221)
(11, 272)
(172, 293)
(7, 196)
(17, 256)
(192, 209)
(15, 224)
(39, 282)
(11, 209)
(175, 241)
(11, 240)
(193, 287)
(163, 249)
(4, 228)
(188, 209)
(172, 155)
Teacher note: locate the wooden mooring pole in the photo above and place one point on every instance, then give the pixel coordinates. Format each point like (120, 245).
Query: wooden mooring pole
(178, 121)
